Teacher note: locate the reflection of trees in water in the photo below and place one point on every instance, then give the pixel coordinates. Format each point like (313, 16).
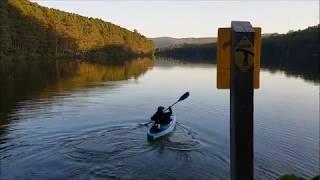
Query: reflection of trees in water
(75, 75)
(170, 62)
(300, 72)
(308, 69)
(22, 79)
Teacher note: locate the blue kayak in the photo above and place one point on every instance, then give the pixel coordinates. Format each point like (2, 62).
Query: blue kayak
(154, 134)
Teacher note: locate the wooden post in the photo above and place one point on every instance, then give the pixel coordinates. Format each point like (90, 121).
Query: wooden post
(241, 100)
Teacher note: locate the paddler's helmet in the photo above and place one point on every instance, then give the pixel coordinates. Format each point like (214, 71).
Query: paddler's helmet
(160, 109)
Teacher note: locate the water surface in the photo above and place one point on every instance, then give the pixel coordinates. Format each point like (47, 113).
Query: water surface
(82, 121)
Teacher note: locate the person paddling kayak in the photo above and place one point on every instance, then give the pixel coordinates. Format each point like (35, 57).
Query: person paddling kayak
(161, 117)
(163, 122)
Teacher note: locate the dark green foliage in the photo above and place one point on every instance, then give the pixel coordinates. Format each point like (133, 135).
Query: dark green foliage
(4, 35)
(316, 178)
(30, 29)
(294, 177)
(301, 47)
(290, 177)
(295, 45)
(190, 51)
(297, 52)
(164, 42)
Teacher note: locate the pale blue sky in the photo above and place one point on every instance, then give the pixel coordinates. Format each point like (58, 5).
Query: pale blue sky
(194, 18)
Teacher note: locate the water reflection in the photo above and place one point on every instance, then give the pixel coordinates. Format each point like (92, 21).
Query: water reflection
(308, 73)
(171, 62)
(22, 80)
(80, 123)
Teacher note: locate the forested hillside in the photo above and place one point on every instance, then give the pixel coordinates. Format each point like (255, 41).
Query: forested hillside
(164, 42)
(29, 29)
(295, 45)
(301, 45)
(296, 52)
(190, 51)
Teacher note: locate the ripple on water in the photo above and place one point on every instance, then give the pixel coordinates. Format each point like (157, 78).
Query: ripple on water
(106, 150)
(105, 145)
(183, 140)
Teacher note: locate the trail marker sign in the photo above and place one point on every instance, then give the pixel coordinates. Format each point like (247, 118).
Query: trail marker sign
(238, 66)
(247, 55)
(244, 54)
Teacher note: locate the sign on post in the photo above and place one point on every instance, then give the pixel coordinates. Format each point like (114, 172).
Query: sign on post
(224, 57)
(244, 54)
(238, 66)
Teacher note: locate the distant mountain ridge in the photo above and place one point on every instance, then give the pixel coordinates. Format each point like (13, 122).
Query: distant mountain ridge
(164, 42)
(294, 44)
(167, 42)
(297, 52)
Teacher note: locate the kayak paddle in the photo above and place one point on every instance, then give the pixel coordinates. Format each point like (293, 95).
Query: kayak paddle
(183, 97)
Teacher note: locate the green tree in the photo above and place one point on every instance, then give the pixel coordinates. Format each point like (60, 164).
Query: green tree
(39, 30)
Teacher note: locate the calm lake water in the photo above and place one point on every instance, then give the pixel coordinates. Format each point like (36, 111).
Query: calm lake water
(80, 120)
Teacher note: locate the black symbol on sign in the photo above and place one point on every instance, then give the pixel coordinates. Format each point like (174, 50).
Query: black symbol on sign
(245, 54)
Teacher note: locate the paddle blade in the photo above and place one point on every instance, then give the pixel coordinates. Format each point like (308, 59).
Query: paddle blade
(184, 96)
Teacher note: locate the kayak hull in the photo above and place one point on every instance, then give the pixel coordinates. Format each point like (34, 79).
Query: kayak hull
(164, 129)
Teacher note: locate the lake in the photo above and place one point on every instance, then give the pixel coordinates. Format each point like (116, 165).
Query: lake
(82, 120)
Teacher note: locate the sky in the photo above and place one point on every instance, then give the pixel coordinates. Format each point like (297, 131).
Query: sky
(194, 18)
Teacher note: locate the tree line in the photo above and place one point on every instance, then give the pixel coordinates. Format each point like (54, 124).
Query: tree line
(296, 52)
(29, 29)
(299, 44)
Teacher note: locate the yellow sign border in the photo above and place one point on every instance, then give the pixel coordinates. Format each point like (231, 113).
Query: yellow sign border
(224, 58)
